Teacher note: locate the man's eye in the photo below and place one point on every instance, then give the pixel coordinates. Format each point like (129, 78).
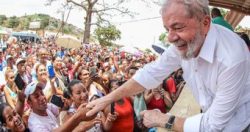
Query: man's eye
(179, 28)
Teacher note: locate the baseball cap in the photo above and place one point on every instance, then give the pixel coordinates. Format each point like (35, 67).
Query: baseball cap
(8, 57)
(20, 60)
(31, 88)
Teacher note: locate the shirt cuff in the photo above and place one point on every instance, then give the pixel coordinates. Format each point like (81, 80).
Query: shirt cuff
(192, 124)
(146, 80)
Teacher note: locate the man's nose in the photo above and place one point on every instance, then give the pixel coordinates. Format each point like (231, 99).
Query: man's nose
(172, 36)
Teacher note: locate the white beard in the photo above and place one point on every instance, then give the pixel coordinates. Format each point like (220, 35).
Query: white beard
(193, 46)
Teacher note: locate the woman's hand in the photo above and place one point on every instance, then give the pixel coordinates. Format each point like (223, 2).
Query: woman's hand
(112, 117)
(83, 127)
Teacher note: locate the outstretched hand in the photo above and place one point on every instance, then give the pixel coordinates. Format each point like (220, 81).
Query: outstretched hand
(97, 105)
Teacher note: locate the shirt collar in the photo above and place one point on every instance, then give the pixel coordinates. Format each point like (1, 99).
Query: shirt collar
(208, 48)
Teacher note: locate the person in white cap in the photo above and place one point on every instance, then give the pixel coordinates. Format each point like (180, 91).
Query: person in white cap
(21, 70)
(10, 64)
(43, 117)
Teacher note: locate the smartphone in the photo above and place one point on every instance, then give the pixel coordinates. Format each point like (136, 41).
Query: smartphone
(92, 71)
(19, 82)
(1, 67)
(51, 71)
(113, 108)
(56, 100)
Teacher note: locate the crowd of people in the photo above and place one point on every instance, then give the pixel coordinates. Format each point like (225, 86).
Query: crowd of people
(45, 87)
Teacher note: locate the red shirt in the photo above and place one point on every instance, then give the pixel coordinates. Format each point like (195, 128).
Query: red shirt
(125, 119)
(171, 85)
(157, 104)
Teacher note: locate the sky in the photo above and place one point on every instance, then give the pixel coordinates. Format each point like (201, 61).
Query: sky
(140, 31)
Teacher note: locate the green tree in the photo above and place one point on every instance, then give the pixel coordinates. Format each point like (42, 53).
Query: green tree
(98, 9)
(44, 20)
(148, 50)
(13, 22)
(238, 28)
(2, 19)
(107, 34)
(162, 38)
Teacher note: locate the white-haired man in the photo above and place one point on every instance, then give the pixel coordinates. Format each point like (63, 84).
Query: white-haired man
(215, 63)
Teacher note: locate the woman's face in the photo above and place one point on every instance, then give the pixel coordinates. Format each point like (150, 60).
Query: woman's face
(13, 120)
(84, 75)
(42, 74)
(105, 79)
(79, 94)
(114, 85)
(58, 63)
(29, 62)
(10, 77)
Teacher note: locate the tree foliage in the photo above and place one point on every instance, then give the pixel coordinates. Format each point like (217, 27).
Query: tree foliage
(107, 34)
(47, 22)
(2, 19)
(13, 22)
(97, 10)
(162, 37)
(147, 50)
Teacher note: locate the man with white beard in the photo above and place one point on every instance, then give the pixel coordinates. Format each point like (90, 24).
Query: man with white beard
(215, 62)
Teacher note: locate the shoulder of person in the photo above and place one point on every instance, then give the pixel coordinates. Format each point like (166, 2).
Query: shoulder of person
(54, 109)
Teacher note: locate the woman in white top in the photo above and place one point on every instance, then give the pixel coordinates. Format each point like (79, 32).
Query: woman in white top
(50, 84)
(10, 89)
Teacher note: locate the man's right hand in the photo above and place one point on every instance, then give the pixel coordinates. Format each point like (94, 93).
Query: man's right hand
(97, 105)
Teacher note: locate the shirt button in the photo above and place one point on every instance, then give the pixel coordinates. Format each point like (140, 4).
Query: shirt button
(195, 70)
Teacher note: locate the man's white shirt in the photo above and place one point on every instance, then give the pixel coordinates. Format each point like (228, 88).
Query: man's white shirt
(218, 77)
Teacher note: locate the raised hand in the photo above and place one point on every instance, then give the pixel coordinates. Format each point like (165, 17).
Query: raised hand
(97, 105)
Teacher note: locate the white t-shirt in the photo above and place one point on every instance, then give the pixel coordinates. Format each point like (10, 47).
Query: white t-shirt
(37, 123)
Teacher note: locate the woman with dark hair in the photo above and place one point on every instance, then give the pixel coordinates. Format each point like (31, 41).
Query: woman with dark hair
(79, 95)
(124, 109)
(11, 118)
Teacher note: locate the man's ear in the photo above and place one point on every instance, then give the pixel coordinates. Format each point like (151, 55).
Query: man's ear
(207, 20)
(206, 23)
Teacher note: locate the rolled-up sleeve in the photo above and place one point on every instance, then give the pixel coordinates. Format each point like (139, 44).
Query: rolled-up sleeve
(192, 124)
(154, 73)
(230, 87)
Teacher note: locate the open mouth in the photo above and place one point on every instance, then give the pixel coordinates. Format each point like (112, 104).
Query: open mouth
(181, 46)
(19, 124)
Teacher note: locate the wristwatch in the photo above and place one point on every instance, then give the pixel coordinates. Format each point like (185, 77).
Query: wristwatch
(170, 122)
